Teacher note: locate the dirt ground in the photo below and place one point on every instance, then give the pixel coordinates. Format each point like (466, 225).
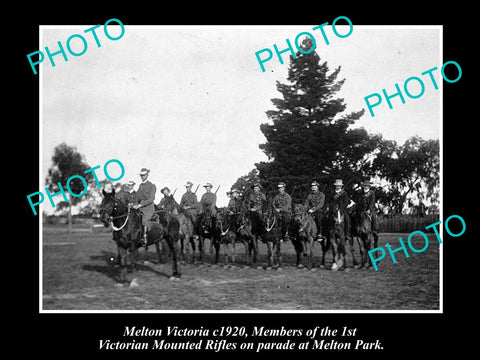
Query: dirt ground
(77, 274)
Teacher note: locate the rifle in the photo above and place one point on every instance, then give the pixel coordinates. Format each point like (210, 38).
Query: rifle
(174, 192)
(217, 190)
(197, 188)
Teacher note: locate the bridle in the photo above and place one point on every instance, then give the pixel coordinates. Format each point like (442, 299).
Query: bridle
(111, 218)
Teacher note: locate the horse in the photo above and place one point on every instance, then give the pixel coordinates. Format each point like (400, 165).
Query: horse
(205, 229)
(362, 229)
(127, 232)
(272, 235)
(337, 237)
(187, 227)
(304, 230)
(227, 237)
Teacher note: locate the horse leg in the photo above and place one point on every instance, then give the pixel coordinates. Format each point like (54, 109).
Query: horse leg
(368, 241)
(217, 249)
(159, 253)
(335, 251)
(123, 265)
(201, 252)
(269, 255)
(279, 254)
(173, 246)
(352, 250)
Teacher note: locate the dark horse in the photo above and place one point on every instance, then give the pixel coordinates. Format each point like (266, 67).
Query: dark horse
(187, 226)
(337, 235)
(304, 231)
(362, 229)
(272, 234)
(127, 231)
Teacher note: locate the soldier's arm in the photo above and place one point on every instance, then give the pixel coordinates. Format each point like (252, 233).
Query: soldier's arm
(321, 202)
(288, 203)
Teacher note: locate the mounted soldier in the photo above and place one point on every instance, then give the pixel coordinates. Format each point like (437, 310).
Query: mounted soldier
(127, 194)
(342, 202)
(144, 201)
(255, 202)
(189, 202)
(366, 203)
(207, 205)
(282, 203)
(234, 207)
(166, 193)
(314, 203)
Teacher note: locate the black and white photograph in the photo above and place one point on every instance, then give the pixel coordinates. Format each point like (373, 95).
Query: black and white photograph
(224, 181)
(265, 182)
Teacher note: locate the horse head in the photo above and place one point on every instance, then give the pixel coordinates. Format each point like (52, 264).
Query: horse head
(107, 207)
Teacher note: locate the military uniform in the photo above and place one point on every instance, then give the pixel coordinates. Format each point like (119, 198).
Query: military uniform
(366, 202)
(234, 205)
(189, 203)
(126, 197)
(315, 201)
(341, 201)
(145, 196)
(283, 202)
(207, 204)
(255, 201)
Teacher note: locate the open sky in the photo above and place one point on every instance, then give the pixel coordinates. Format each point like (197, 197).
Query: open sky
(187, 101)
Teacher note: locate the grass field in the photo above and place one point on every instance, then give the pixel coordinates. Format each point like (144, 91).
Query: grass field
(78, 275)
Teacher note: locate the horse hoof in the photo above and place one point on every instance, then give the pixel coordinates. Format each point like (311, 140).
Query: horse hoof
(119, 285)
(259, 267)
(300, 266)
(356, 267)
(347, 269)
(313, 269)
(268, 268)
(279, 268)
(334, 267)
(226, 266)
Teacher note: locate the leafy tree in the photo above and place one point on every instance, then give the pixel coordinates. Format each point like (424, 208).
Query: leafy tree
(309, 137)
(411, 169)
(66, 162)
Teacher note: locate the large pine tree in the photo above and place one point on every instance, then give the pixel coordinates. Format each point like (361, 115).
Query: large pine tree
(309, 137)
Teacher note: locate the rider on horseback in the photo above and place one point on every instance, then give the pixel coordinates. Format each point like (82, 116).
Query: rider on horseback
(314, 203)
(341, 201)
(366, 203)
(189, 202)
(144, 201)
(234, 207)
(282, 203)
(207, 208)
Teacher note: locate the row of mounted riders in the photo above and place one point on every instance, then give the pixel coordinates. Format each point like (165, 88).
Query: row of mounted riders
(178, 230)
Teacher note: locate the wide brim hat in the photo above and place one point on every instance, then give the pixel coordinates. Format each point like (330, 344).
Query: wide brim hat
(144, 171)
(165, 188)
(234, 190)
(338, 182)
(208, 185)
(314, 183)
(132, 183)
(189, 183)
(281, 184)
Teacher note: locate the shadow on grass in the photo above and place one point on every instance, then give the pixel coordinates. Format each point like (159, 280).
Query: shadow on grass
(112, 269)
